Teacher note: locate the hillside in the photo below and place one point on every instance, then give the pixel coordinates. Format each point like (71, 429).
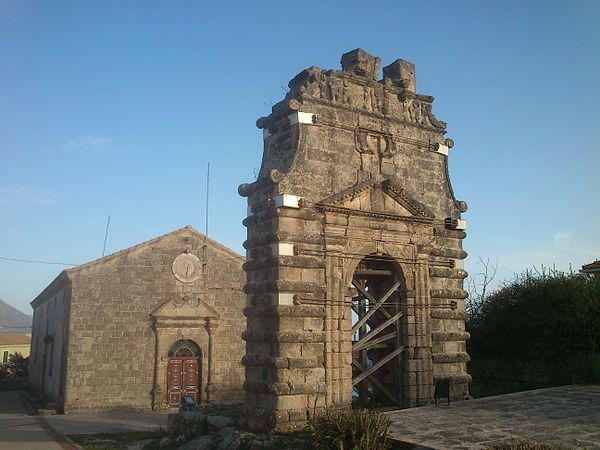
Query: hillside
(12, 320)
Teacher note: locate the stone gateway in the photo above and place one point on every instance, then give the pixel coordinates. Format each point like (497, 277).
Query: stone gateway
(354, 251)
(142, 327)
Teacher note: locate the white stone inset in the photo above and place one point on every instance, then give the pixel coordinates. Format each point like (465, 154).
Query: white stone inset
(302, 117)
(442, 149)
(284, 298)
(287, 201)
(282, 249)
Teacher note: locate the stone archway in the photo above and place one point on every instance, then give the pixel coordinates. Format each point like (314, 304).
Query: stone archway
(184, 372)
(377, 331)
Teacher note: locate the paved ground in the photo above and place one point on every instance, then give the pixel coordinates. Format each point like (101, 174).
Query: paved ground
(567, 415)
(19, 431)
(107, 422)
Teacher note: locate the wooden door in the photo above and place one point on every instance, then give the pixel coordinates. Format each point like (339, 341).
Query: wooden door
(182, 379)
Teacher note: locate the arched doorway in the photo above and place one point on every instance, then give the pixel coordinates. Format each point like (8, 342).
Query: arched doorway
(377, 332)
(184, 372)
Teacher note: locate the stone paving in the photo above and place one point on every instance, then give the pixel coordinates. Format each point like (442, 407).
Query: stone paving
(107, 422)
(20, 431)
(566, 415)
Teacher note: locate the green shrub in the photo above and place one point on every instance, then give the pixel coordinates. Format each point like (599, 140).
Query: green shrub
(16, 367)
(358, 429)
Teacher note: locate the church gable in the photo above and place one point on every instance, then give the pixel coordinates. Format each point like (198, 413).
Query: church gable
(185, 307)
(185, 238)
(380, 196)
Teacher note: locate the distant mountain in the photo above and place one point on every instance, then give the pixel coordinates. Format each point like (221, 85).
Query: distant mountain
(12, 320)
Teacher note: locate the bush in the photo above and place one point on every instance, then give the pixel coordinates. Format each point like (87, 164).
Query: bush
(16, 367)
(359, 429)
(553, 315)
(537, 331)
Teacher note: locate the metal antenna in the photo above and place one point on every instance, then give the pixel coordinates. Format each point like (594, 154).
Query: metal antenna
(106, 235)
(207, 192)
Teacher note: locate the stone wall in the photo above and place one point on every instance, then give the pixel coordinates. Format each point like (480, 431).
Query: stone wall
(352, 166)
(49, 340)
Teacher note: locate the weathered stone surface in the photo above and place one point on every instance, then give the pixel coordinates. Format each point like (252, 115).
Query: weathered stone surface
(230, 442)
(360, 63)
(193, 417)
(166, 442)
(200, 443)
(355, 178)
(218, 422)
(226, 431)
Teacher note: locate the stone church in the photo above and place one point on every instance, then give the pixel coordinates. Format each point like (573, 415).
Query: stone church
(142, 327)
(355, 260)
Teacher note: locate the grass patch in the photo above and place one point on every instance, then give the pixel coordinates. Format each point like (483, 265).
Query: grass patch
(356, 429)
(524, 445)
(147, 440)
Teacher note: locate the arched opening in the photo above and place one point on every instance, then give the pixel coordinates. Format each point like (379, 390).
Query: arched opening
(184, 372)
(379, 291)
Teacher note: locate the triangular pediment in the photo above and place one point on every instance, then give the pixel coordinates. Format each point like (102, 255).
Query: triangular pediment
(185, 307)
(381, 195)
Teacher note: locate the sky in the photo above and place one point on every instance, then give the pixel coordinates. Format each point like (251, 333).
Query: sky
(115, 108)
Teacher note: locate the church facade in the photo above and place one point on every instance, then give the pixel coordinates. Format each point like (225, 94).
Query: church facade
(142, 327)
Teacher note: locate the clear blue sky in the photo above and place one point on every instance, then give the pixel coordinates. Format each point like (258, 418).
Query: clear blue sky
(116, 107)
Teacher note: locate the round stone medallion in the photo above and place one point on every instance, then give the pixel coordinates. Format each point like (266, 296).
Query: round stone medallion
(186, 268)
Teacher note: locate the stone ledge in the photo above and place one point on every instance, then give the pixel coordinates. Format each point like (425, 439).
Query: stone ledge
(441, 336)
(285, 310)
(282, 236)
(455, 378)
(449, 252)
(284, 336)
(448, 314)
(444, 272)
(300, 262)
(281, 362)
(455, 294)
(451, 357)
(265, 387)
(285, 286)
(444, 232)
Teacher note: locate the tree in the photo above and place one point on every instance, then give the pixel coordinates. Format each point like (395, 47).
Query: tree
(16, 367)
(477, 286)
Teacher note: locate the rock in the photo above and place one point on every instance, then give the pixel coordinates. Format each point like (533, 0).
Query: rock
(200, 443)
(218, 422)
(224, 432)
(231, 442)
(263, 442)
(180, 439)
(193, 417)
(165, 442)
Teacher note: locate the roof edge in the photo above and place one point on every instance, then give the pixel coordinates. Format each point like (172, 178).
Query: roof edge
(128, 250)
(54, 286)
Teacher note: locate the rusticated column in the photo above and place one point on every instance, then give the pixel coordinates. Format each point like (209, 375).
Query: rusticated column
(157, 393)
(210, 326)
